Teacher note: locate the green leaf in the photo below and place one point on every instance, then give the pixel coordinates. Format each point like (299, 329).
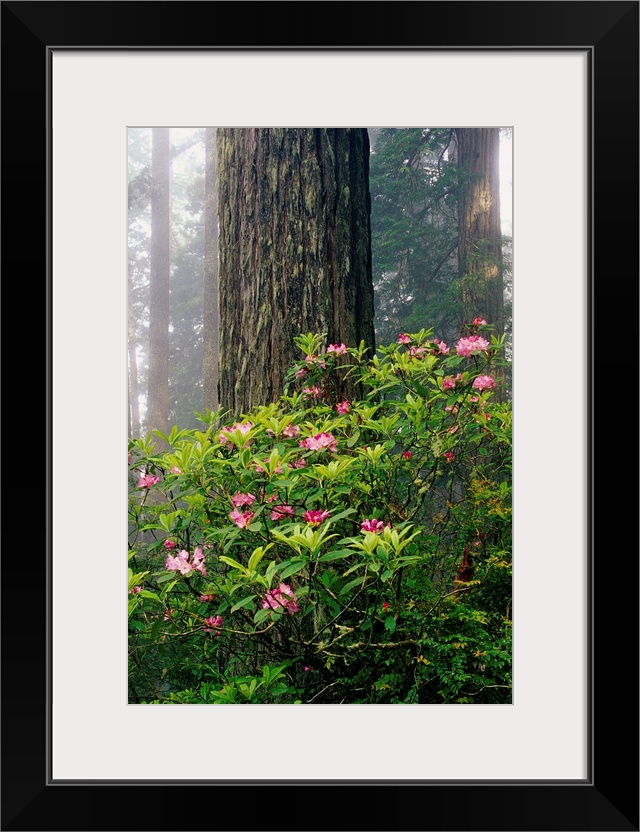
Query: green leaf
(260, 616)
(144, 593)
(244, 603)
(351, 585)
(293, 567)
(390, 624)
(232, 562)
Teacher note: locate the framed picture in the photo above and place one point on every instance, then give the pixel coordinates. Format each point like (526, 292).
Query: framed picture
(564, 76)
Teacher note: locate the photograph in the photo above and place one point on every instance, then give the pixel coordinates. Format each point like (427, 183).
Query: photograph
(320, 415)
(347, 280)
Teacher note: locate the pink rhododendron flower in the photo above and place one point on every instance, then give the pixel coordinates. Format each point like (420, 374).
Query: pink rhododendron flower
(283, 596)
(478, 322)
(417, 352)
(406, 455)
(241, 519)
(243, 428)
(449, 456)
(298, 463)
(240, 499)
(314, 516)
(135, 590)
(448, 383)
(271, 498)
(168, 613)
(372, 525)
(385, 605)
(301, 372)
(181, 563)
(404, 338)
(148, 480)
(337, 349)
(474, 399)
(198, 561)
(312, 392)
(281, 511)
(439, 348)
(343, 407)
(169, 544)
(212, 624)
(291, 431)
(483, 383)
(319, 442)
(205, 598)
(470, 345)
(307, 668)
(175, 469)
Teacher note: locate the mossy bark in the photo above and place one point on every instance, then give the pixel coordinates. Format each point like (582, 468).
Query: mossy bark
(480, 244)
(295, 252)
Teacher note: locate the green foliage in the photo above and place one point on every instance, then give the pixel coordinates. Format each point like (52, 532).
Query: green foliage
(414, 188)
(323, 551)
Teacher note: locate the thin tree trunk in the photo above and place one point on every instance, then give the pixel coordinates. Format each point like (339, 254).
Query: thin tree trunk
(480, 248)
(133, 391)
(295, 252)
(211, 314)
(158, 397)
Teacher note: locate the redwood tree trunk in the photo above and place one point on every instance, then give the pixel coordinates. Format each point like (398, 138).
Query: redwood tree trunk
(295, 252)
(480, 245)
(133, 389)
(158, 397)
(211, 319)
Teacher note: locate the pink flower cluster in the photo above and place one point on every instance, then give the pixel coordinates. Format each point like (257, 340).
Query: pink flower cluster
(241, 519)
(478, 322)
(439, 348)
(372, 525)
(471, 344)
(449, 456)
(243, 428)
(483, 383)
(449, 382)
(312, 392)
(213, 623)
(319, 442)
(240, 499)
(148, 480)
(417, 352)
(281, 511)
(182, 564)
(337, 349)
(283, 596)
(314, 516)
(343, 407)
(403, 338)
(205, 598)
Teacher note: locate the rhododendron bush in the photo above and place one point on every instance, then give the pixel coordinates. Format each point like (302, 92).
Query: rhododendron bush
(326, 550)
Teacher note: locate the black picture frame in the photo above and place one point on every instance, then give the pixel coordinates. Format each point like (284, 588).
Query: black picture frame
(607, 801)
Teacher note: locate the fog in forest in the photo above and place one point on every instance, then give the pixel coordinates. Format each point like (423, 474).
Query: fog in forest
(418, 187)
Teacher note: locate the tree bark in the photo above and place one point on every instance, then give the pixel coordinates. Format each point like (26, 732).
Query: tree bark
(295, 252)
(211, 314)
(133, 390)
(480, 244)
(158, 396)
